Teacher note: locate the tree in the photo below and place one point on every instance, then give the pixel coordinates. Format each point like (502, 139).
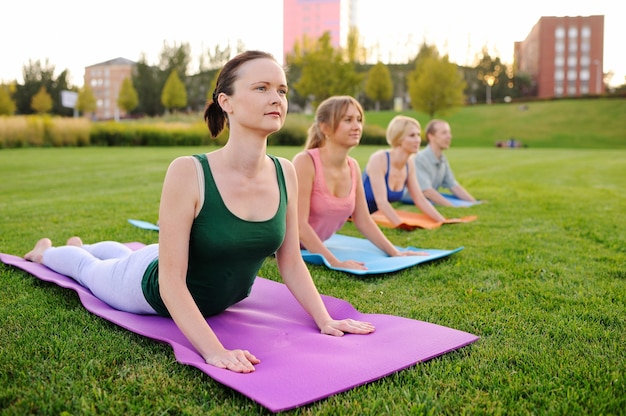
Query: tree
(57, 85)
(209, 94)
(218, 57)
(7, 105)
(41, 102)
(436, 86)
(86, 102)
(492, 71)
(355, 51)
(148, 81)
(325, 73)
(174, 94)
(175, 58)
(35, 76)
(378, 85)
(294, 61)
(127, 99)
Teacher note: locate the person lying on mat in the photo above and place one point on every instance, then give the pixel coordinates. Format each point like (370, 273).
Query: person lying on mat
(221, 214)
(330, 185)
(389, 173)
(433, 169)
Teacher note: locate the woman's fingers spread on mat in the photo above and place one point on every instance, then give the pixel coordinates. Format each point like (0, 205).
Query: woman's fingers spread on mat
(413, 253)
(352, 264)
(239, 361)
(339, 327)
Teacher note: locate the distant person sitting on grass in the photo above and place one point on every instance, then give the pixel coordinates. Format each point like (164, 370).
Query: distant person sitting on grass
(432, 168)
(390, 173)
(221, 215)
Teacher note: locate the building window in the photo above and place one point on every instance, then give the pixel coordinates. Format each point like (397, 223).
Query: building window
(573, 47)
(585, 60)
(559, 61)
(559, 32)
(572, 75)
(572, 33)
(585, 45)
(558, 89)
(584, 87)
(559, 47)
(571, 61)
(571, 88)
(559, 75)
(585, 32)
(584, 75)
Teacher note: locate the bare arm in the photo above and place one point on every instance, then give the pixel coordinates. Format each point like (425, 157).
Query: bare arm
(364, 222)
(419, 197)
(376, 169)
(461, 193)
(296, 275)
(308, 237)
(436, 197)
(179, 202)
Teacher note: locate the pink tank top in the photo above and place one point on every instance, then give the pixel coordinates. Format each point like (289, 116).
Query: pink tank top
(328, 213)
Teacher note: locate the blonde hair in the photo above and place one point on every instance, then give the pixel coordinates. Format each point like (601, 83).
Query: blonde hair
(398, 128)
(329, 112)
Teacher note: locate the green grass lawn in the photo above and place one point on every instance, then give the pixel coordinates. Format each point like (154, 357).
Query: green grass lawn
(581, 123)
(542, 281)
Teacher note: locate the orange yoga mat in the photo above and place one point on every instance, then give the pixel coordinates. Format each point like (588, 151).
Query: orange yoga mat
(413, 220)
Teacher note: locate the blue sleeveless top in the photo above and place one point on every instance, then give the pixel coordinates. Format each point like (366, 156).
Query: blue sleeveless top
(392, 196)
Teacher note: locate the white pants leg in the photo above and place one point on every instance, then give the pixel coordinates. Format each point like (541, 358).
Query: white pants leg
(112, 271)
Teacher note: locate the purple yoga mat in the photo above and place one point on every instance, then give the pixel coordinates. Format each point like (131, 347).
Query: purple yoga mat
(298, 364)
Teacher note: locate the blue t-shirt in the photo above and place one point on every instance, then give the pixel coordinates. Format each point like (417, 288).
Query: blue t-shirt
(392, 196)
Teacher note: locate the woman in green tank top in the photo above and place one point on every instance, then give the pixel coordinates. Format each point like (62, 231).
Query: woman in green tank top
(219, 220)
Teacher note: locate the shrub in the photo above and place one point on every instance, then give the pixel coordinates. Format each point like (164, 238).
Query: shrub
(67, 131)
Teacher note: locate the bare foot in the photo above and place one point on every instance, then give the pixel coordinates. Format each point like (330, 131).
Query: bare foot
(36, 254)
(74, 241)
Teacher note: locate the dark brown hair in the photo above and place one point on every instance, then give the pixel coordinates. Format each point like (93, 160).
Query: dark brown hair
(214, 116)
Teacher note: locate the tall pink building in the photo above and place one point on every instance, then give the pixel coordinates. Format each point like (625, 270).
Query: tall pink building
(315, 17)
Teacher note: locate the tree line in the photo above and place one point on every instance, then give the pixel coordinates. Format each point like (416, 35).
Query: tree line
(316, 70)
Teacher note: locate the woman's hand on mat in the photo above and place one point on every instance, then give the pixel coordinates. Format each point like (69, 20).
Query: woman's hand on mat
(239, 361)
(338, 327)
(349, 264)
(410, 253)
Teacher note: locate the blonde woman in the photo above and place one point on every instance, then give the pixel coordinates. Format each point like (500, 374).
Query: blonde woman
(330, 189)
(390, 173)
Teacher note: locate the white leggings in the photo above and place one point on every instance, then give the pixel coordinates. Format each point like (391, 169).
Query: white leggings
(112, 271)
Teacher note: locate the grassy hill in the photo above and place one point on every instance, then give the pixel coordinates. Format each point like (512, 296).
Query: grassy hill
(580, 123)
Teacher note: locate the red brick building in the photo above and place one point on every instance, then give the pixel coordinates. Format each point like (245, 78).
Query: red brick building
(564, 55)
(105, 79)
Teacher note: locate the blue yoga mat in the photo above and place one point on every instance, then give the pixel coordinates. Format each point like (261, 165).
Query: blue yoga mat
(353, 248)
(377, 261)
(144, 224)
(456, 202)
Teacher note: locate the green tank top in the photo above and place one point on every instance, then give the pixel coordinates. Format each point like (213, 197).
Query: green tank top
(225, 252)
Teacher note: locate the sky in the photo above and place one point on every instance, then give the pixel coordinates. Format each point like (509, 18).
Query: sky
(73, 34)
